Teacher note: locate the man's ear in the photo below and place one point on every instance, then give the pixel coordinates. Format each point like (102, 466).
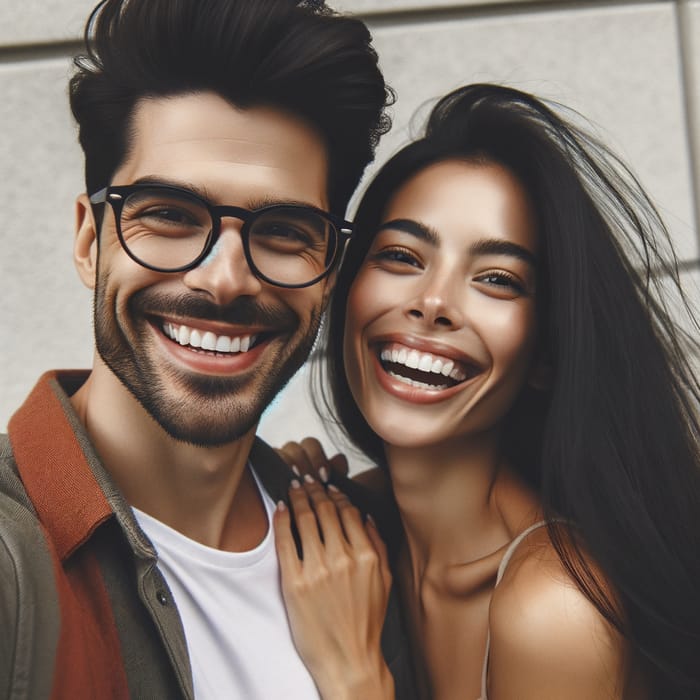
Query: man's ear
(85, 244)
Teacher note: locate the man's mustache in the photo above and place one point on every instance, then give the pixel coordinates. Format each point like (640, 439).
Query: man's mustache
(241, 311)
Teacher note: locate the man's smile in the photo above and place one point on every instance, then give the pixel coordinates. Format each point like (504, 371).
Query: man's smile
(207, 340)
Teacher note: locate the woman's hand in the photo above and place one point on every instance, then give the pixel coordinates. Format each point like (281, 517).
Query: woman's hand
(309, 457)
(336, 595)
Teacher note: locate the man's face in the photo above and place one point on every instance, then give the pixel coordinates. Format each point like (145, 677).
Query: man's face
(151, 328)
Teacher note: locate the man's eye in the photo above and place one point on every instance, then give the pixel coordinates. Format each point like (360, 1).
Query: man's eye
(171, 214)
(285, 232)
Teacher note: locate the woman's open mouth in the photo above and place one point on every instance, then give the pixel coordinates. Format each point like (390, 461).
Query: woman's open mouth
(424, 370)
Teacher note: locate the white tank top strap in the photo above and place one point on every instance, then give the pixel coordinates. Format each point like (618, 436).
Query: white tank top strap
(501, 570)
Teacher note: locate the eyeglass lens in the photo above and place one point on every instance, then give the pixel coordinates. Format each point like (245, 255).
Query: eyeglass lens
(169, 230)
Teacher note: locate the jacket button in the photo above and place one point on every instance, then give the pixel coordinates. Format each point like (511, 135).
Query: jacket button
(161, 597)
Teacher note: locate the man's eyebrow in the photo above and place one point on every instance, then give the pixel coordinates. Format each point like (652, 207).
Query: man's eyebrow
(269, 201)
(205, 194)
(414, 228)
(201, 192)
(497, 246)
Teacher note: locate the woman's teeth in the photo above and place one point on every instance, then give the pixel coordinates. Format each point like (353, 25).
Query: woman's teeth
(206, 340)
(415, 382)
(423, 362)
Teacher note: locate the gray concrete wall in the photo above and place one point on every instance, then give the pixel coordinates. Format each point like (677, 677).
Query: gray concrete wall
(629, 66)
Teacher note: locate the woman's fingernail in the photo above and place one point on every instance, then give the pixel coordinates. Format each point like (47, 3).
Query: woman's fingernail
(308, 479)
(295, 484)
(295, 469)
(323, 473)
(281, 505)
(370, 520)
(333, 488)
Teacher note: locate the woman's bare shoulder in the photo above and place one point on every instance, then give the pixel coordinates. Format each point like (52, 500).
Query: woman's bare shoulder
(547, 639)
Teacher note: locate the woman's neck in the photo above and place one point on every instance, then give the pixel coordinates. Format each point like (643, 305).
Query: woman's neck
(458, 503)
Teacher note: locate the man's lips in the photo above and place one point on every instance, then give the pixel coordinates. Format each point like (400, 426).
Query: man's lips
(200, 338)
(423, 370)
(204, 351)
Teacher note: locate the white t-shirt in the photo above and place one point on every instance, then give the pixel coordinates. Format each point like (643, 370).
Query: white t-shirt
(231, 606)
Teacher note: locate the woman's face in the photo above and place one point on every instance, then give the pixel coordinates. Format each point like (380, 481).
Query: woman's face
(440, 327)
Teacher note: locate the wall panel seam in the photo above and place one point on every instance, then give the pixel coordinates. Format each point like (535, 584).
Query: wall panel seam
(41, 52)
(687, 52)
(493, 9)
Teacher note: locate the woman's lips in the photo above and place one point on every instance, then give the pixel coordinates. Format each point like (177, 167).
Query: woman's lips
(426, 364)
(415, 374)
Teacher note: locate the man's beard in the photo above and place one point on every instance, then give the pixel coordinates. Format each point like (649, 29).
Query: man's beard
(203, 410)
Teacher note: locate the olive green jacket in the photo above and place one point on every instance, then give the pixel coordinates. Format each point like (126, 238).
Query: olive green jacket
(84, 610)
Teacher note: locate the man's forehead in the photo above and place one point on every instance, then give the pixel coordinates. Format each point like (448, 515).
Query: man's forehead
(202, 133)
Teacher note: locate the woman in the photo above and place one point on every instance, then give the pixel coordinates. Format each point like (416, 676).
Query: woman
(514, 371)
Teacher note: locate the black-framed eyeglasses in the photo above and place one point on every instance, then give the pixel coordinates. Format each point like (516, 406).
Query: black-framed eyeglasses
(171, 229)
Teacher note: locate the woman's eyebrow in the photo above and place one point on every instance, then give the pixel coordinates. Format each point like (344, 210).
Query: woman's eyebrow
(414, 228)
(497, 246)
(484, 246)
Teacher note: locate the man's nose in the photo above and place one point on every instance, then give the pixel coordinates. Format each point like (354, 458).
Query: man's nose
(225, 274)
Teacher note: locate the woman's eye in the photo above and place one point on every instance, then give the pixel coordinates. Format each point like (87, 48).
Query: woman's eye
(398, 256)
(502, 281)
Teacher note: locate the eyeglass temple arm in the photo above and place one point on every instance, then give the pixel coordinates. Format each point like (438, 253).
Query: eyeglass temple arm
(100, 197)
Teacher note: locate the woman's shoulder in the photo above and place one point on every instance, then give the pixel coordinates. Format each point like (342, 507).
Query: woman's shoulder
(547, 638)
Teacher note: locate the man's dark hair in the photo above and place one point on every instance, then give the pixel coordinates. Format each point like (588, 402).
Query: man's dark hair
(299, 57)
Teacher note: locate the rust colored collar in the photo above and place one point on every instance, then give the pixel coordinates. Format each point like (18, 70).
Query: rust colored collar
(55, 461)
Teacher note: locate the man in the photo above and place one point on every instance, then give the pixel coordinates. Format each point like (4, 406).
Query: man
(222, 141)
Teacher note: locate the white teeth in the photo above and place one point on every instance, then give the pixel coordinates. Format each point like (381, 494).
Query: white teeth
(223, 344)
(426, 363)
(207, 340)
(423, 362)
(417, 384)
(195, 339)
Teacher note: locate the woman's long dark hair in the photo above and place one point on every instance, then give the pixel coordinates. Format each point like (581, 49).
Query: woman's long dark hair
(613, 446)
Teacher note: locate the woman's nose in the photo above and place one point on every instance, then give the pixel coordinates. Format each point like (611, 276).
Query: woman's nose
(439, 300)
